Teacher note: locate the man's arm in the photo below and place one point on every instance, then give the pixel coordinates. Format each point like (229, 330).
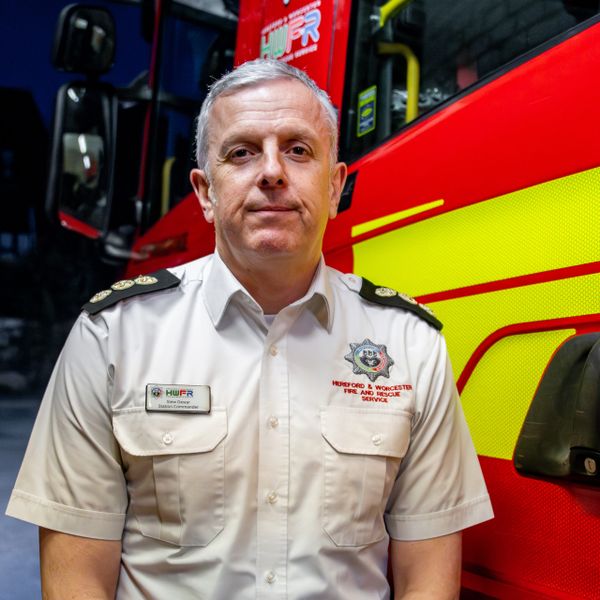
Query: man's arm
(427, 569)
(74, 567)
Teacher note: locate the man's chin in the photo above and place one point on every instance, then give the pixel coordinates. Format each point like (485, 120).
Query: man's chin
(274, 248)
(278, 246)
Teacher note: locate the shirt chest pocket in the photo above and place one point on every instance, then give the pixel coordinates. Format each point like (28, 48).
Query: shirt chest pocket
(175, 471)
(362, 451)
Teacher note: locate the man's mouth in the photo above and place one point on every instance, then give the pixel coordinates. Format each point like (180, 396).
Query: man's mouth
(272, 209)
(268, 208)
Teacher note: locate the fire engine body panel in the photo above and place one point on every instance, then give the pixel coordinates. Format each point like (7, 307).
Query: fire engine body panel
(485, 208)
(487, 211)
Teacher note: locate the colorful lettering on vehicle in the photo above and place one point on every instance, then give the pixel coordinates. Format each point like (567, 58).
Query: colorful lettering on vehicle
(277, 38)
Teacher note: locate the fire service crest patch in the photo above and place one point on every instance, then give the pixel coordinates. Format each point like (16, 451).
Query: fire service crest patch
(369, 359)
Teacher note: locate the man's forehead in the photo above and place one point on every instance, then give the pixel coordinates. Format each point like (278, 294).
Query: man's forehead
(270, 95)
(284, 101)
(268, 86)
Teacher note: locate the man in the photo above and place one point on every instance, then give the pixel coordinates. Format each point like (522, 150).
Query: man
(259, 426)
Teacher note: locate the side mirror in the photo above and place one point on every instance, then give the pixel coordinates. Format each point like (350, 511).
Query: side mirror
(81, 163)
(84, 40)
(561, 433)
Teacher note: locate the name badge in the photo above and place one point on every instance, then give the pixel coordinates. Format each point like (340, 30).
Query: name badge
(178, 398)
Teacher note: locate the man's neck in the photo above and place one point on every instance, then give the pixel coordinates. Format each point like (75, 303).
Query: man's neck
(273, 282)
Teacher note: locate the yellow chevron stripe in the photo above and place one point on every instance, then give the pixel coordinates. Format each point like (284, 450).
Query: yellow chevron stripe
(548, 226)
(398, 216)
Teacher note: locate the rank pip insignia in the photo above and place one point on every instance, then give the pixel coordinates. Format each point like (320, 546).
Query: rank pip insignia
(385, 292)
(369, 359)
(100, 296)
(145, 280)
(124, 284)
(128, 288)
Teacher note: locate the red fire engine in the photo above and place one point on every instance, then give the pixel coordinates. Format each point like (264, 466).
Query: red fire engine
(471, 137)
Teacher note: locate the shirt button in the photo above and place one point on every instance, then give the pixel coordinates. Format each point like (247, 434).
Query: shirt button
(167, 438)
(273, 422)
(270, 577)
(272, 498)
(377, 439)
(273, 350)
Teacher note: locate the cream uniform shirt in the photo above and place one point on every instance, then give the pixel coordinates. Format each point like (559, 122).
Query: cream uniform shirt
(331, 429)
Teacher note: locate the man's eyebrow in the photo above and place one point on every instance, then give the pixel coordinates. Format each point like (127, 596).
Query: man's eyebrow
(301, 134)
(297, 133)
(231, 141)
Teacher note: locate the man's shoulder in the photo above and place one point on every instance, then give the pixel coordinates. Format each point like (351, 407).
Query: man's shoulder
(144, 285)
(373, 294)
(128, 288)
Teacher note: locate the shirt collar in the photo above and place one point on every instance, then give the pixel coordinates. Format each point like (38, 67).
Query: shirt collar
(220, 287)
(319, 298)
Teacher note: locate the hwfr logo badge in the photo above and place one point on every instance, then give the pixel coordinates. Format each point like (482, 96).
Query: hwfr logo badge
(178, 398)
(277, 39)
(180, 393)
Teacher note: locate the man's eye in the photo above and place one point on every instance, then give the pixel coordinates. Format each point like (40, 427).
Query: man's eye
(240, 153)
(299, 150)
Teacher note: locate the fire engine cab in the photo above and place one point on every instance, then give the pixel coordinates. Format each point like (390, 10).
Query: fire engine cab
(471, 135)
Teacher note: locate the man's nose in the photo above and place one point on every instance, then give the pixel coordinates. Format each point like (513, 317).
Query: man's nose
(272, 174)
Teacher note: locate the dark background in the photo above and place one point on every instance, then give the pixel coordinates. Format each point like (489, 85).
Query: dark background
(46, 271)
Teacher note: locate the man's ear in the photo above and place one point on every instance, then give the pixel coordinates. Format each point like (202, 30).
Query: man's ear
(201, 185)
(338, 179)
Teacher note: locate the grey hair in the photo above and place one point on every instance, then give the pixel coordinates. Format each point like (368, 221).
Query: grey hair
(254, 73)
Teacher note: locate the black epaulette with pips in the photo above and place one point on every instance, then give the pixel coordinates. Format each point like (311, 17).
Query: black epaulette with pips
(126, 288)
(389, 297)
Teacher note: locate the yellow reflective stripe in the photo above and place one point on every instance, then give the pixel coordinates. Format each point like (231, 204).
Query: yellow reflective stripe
(548, 226)
(501, 387)
(398, 216)
(470, 320)
(497, 397)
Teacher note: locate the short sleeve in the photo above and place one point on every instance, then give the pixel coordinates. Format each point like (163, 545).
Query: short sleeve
(440, 488)
(71, 479)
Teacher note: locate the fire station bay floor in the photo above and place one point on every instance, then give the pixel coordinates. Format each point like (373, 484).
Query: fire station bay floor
(19, 564)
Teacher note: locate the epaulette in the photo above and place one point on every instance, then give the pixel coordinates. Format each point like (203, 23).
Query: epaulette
(389, 297)
(126, 288)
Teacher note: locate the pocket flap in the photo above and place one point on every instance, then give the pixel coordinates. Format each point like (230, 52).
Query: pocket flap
(363, 431)
(142, 433)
